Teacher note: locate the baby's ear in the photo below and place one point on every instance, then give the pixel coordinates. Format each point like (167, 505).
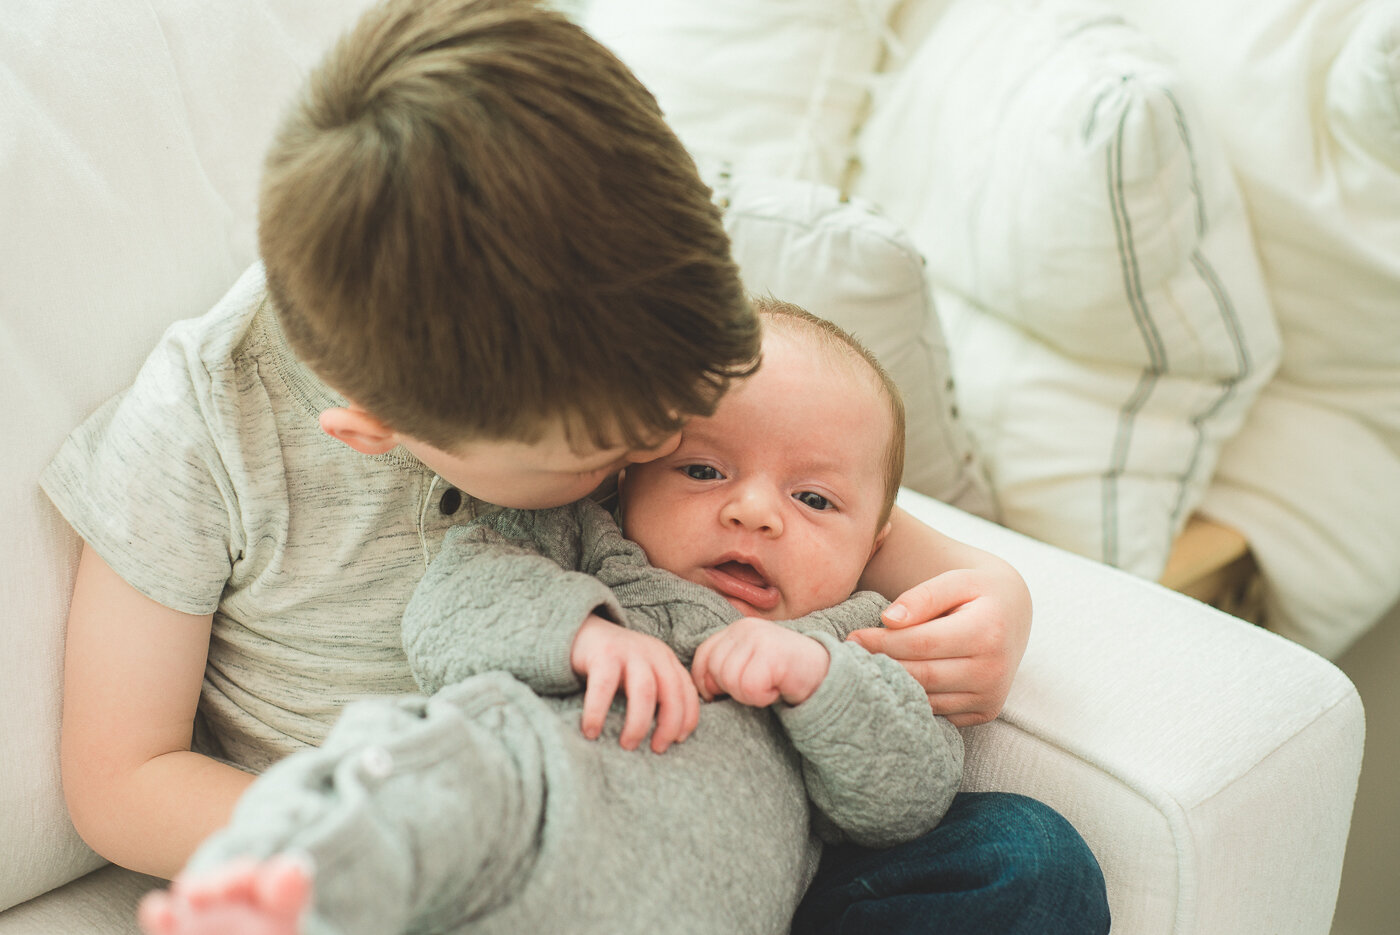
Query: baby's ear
(358, 429)
(621, 482)
(880, 539)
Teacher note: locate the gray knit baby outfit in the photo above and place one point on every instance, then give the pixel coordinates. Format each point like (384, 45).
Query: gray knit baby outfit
(480, 807)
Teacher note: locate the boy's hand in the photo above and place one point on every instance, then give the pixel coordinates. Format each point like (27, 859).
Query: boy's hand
(756, 662)
(961, 635)
(610, 657)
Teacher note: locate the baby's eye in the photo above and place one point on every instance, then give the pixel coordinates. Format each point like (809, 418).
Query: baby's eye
(701, 472)
(814, 500)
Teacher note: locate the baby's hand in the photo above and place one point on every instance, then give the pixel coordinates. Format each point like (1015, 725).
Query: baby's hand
(244, 898)
(610, 657)
(756, 662)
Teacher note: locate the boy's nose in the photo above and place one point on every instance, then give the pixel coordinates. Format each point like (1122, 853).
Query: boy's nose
(753, 508)
(660, 450)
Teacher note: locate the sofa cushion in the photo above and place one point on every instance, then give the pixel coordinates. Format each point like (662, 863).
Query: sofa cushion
(1105, 311)
(101, 903)
(134, 132)
(774, 88)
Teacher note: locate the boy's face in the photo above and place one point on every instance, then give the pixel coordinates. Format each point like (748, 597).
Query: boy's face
(774, 501)
(531, 476)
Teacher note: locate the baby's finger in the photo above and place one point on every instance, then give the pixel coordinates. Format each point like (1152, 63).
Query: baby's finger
(597, 698)
(700, 667)
(691, 717)
(725, 665)
(705, 684)
(641, 706)
(671, 689)
(760, 685)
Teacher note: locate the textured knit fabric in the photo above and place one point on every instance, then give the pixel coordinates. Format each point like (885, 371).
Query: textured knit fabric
(482, 808)
(556, 566)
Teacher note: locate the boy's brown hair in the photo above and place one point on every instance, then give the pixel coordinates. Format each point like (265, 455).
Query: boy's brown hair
(846, 349)
(475, 220)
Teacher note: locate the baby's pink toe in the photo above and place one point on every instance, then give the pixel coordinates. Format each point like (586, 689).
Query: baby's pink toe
(243, 898)
(285, 886)
(156, 914)
(236, 882)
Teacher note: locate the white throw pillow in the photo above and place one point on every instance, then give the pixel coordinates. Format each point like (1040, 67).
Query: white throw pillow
(134, 132)
(802, 243)
(1105, 312)
(1311, 121)
(773, 87)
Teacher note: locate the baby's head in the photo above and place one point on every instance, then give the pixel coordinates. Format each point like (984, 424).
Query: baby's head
(779, 499)
(477, 226)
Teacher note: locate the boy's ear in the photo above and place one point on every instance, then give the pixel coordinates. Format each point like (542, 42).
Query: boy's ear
(880, 539)
(353, 426)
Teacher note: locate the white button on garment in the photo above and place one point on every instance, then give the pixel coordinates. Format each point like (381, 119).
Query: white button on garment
(377, 762)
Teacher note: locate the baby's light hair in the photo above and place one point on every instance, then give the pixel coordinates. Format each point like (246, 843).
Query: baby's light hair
(797, 321)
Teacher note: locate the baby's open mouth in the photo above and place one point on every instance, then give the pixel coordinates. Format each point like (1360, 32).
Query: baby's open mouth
(743, 572)
(740, 580)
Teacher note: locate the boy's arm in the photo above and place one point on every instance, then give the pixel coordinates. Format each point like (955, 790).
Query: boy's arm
(959, 623)
(132, 674)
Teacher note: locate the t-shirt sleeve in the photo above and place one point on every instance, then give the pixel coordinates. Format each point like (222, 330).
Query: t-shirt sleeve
(143, 481)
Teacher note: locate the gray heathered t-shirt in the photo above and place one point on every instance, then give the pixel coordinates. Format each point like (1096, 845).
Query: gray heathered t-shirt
(209, 486)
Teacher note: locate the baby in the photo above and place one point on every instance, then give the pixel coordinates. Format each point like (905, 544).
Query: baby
(484, 806)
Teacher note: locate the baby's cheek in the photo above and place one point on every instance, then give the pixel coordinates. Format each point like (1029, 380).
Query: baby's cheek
(829, 581)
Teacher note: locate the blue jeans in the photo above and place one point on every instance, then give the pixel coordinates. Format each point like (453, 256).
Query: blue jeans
(997, 864)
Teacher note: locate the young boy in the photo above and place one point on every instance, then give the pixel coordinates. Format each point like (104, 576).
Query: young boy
(502, 280)
(488, 798)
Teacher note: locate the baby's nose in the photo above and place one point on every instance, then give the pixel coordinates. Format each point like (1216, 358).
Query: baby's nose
(755, 508)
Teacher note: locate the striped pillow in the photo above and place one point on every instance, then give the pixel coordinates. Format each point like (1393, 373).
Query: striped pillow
(1096, 275)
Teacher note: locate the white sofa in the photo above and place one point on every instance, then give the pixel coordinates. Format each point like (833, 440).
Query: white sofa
(1210, 765)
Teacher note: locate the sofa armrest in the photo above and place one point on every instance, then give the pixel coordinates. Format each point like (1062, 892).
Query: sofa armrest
(1210, 765)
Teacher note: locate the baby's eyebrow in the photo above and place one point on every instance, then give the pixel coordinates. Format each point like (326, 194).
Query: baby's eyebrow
(692, 434)
(820, 462)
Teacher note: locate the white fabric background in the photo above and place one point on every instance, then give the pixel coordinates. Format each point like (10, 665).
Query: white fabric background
(132, 132)
(133, 136)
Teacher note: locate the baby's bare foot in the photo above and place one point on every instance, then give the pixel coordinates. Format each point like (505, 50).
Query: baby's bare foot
(244, 898)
